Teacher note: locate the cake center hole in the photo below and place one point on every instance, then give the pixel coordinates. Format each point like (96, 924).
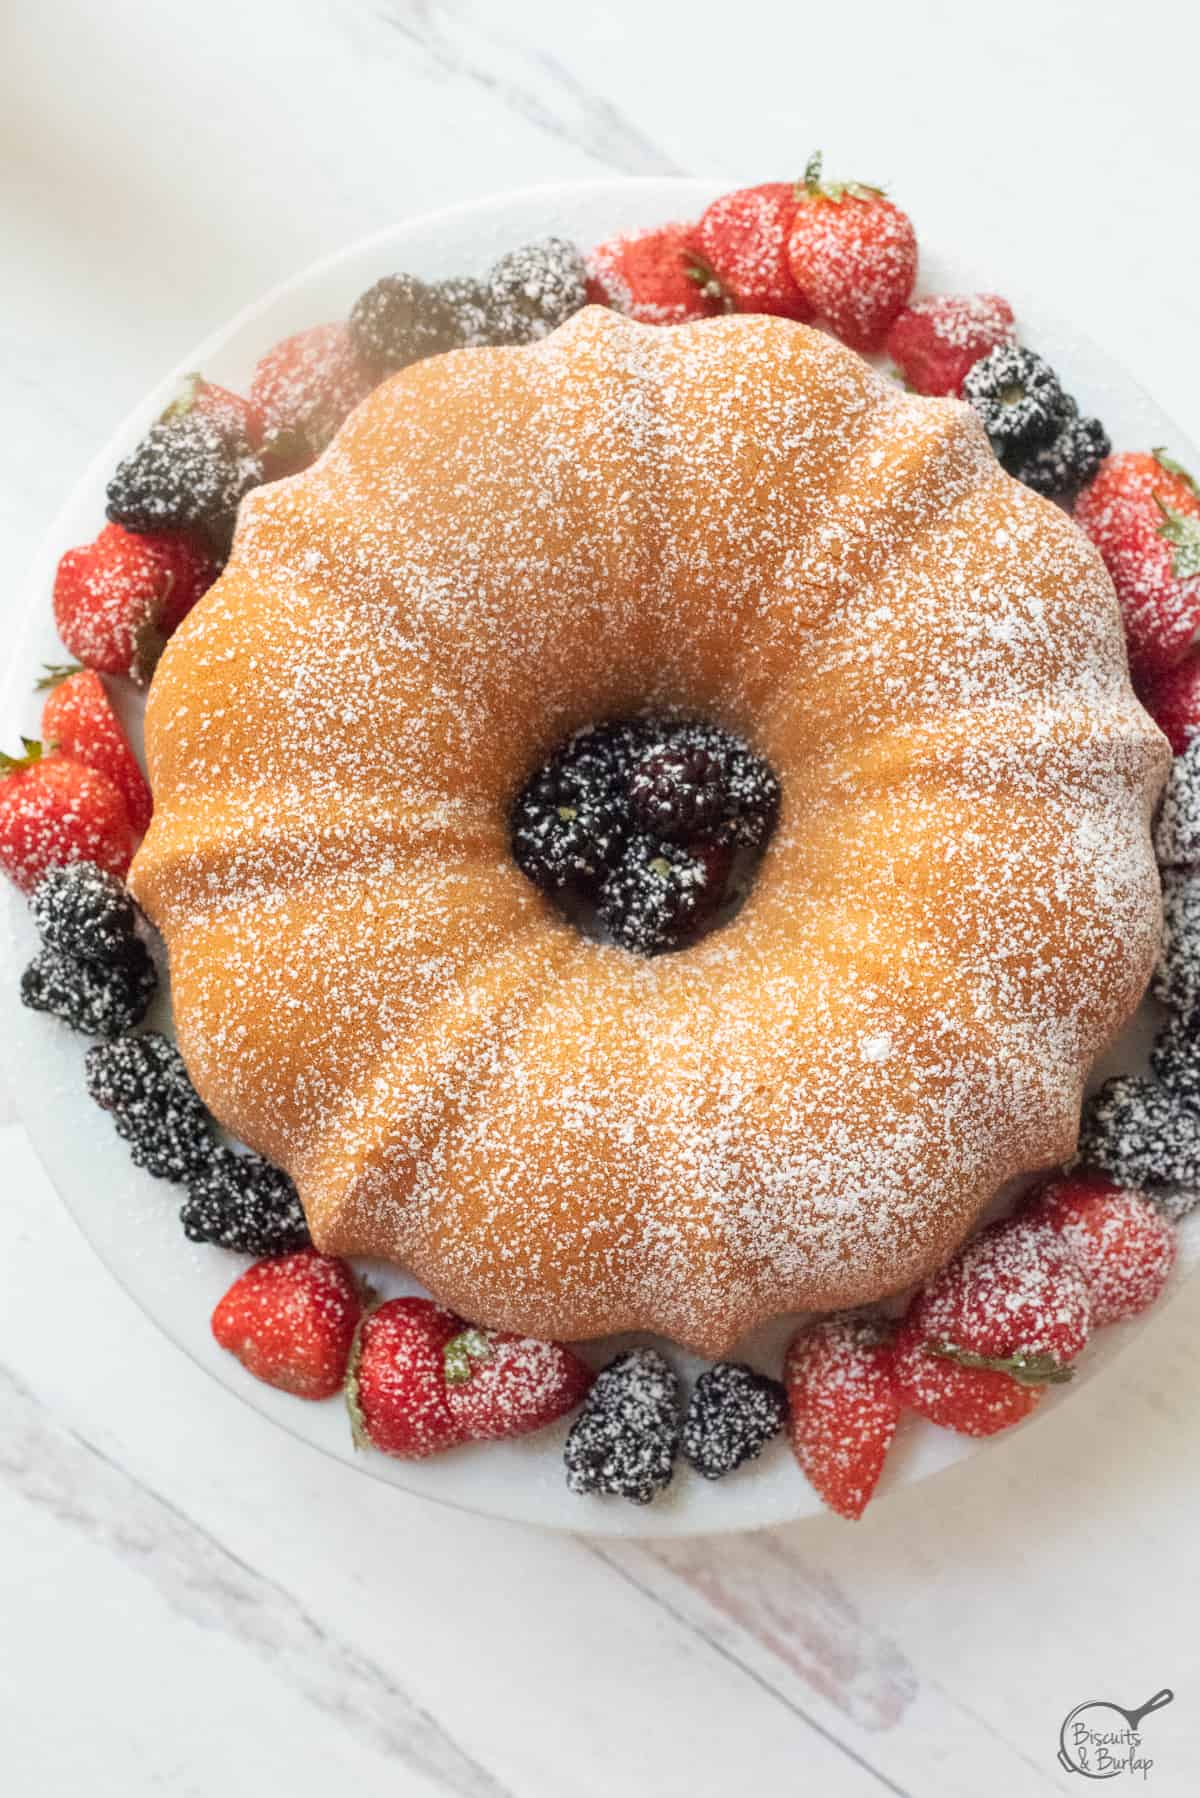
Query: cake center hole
(646, 832)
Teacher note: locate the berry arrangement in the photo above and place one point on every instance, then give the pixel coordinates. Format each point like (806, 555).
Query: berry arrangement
(645, 832)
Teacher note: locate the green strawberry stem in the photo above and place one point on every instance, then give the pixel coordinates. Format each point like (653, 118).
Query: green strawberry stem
(34, 752)
(461, 1353)
(54, 673)
(1026, 1370)
(812, 187)
(1176, 468)
(1184, 534)
(706, 279)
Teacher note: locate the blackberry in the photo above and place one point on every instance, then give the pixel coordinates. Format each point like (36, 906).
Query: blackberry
(568, 825)
(94, 997)
(1135, 1131)
(189, 473)
(625, 1439)
(1067, 462)
(1177, 832)
(752, 807)
(84, 911)
(142, 1081)
(1175, 1058)
(678, 790)
(535, 288)
(655, 895)
(245, 1203)
(1018, 397)
(733, 1414)
(1174, 1202)
(402, 319)
(1177, 976)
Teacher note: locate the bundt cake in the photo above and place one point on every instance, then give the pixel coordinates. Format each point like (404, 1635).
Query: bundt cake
(738, 520)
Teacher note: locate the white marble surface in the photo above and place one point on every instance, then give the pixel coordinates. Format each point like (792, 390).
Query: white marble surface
(193, 1603)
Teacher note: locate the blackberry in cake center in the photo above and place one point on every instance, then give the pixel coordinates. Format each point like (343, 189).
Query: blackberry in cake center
(644, 830)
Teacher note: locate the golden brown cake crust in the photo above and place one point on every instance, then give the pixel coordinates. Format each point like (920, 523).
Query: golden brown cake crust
(736, 518)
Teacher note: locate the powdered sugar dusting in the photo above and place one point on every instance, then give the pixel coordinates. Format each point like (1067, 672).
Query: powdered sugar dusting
(740, 520)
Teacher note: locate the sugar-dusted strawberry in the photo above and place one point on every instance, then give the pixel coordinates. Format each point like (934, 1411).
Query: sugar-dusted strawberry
(652, 276)
(118, 598)
(853, 255)
(78, 718)
(290, 1321)
(303, 390)
(396, 1388)
(1172, 698)
(843, 1408)
(228, 410)
(499, 1385)
(54, 811)
(1005, 1318)
(1124, 1247)
(742, 242)
(1143, 514)
(936, 342)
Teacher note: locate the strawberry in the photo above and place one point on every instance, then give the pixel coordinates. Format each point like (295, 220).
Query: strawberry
(396, 1385)
(54, 811)
(741, 243)
(652, 276)
(936, 342)
(1143, 514)
(235, 415)
(118, 598)
(78, 719)
(290, 1321)
(1003, 1319)
(1124, 1248)
(303, 390)
(499, 1385)
(843, 1408)
(853, 255)
(1172, 699)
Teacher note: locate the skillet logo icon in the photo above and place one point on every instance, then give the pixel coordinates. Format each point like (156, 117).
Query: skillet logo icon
(1100, 1739)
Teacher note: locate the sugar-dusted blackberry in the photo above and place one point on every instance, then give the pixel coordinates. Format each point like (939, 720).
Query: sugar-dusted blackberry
(1018, 397)
(245, 1203)
(1177, 976)
(402, 318)
(657, 893)
(84, 911)
(678, 789)
(1175, 1057)
(1138, 1133)
(624, 1441)
(1177, 831)
(753, 795)
(142, 1081)
(1067, 462)
(568, 824)
(189, 473)
(535, 288)
(732, 1415)
(94, 997)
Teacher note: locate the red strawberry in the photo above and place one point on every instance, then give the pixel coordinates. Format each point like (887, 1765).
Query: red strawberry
(1172, 699)
(290, 1321)
(985, 1336)
(1143, 514)
(843, 1408)
(499, 1385)
(303, 390)
(936, 342)
(1124, 1248)
(650, 276)
(742, 240)
(235, 415)
(54, 811)
(853, 255)
(396, 1386)
(79, 720)
(118, 598)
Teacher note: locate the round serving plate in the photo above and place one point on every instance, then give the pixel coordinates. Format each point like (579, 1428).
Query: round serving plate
(131, 1219)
